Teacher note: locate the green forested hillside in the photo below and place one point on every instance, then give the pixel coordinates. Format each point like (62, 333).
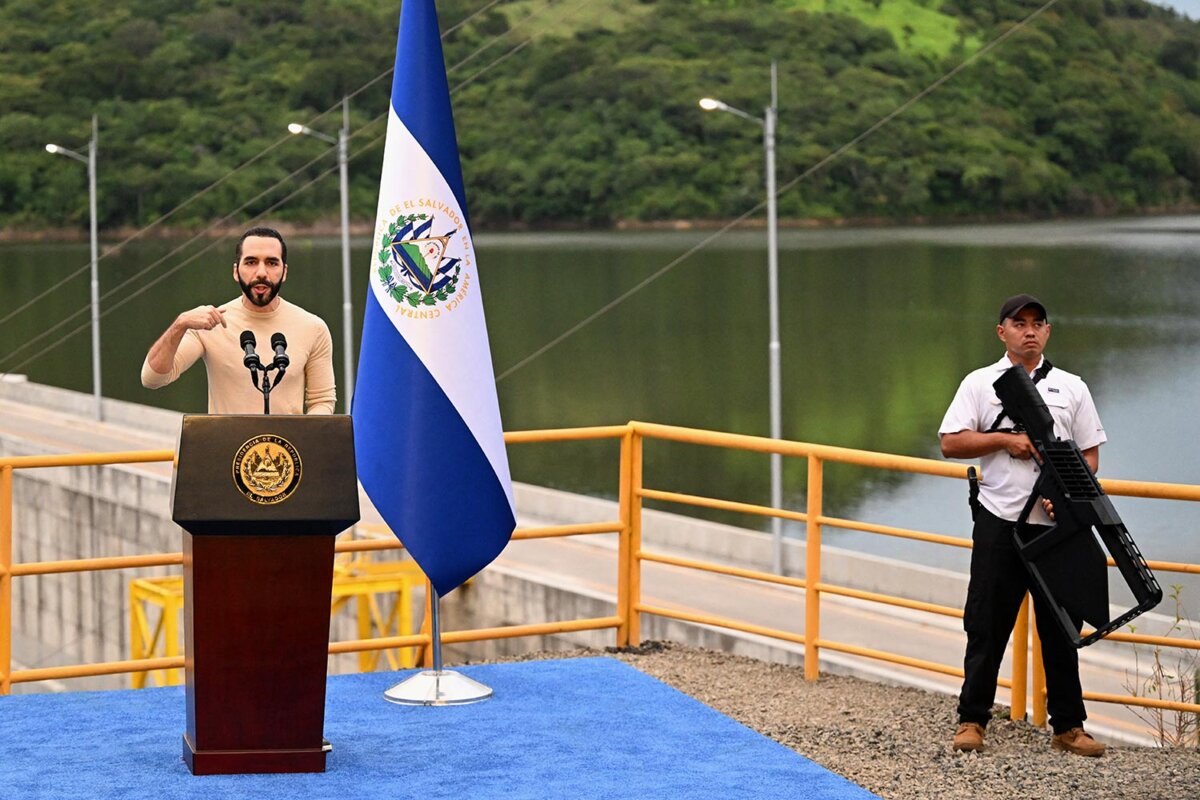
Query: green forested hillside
(584, 111)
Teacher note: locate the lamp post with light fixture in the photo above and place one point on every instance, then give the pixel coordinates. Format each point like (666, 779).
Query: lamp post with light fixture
(90, 160)
(773, 351)
(347, 307)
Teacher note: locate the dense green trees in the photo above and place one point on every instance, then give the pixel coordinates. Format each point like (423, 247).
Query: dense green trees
(1094, 108)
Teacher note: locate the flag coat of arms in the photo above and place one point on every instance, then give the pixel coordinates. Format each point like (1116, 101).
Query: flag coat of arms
(428, 441)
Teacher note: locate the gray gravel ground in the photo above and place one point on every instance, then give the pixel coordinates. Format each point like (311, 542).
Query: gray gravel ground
(895, 741)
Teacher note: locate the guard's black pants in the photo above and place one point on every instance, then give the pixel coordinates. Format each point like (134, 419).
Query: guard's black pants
(998, 583)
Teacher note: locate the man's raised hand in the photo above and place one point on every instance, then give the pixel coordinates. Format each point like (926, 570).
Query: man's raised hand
(202, 318)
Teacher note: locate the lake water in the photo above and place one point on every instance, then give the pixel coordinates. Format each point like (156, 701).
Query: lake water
(877, 328)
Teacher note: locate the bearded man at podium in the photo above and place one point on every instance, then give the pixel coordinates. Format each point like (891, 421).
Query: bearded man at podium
(217, 335)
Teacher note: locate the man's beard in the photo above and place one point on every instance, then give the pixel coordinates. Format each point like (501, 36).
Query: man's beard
(264, 300)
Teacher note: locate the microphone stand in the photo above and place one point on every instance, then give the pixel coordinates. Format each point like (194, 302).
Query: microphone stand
(267, 383)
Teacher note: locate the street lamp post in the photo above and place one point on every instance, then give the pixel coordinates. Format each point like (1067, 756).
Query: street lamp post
(347, 308)
(90, 160)
(773, 350)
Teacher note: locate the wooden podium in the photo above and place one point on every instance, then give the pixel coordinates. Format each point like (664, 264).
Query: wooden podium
(260, 499)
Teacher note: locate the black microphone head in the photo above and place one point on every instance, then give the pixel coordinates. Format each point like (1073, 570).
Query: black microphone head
(279, 345)
(250, 359)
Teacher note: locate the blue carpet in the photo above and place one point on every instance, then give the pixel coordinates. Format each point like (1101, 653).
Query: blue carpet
(575, 728)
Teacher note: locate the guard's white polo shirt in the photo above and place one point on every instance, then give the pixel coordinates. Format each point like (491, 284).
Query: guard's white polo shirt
(1007, 481)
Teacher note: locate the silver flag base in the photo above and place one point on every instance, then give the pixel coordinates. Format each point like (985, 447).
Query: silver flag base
(434, 688)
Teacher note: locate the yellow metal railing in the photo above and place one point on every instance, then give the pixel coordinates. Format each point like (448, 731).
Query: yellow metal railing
(626, 622)
(814, 587)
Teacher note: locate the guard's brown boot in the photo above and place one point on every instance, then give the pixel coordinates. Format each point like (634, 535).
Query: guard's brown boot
(969, 737)
(1077, 741)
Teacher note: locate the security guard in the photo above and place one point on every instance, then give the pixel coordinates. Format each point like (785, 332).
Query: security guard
(974, 428)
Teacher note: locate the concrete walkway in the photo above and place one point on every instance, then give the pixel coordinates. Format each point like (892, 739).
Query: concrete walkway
(32, 420)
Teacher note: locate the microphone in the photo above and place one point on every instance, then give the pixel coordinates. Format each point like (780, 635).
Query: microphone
(279, 345)
(250, 360)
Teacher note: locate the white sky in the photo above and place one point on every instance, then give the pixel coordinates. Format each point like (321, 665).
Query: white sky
(1189, 7)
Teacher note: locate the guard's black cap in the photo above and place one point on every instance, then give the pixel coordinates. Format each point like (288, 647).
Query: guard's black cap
(1013, 305)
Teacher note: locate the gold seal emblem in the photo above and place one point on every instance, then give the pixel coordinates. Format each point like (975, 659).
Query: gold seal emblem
(266, 469)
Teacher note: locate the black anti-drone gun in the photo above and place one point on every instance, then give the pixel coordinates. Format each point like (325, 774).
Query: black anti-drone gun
(1065, 560)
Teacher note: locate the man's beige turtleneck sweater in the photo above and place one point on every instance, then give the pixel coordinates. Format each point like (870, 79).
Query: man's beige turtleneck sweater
(306, 388)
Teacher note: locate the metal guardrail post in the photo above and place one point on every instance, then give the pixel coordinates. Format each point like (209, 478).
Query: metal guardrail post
(6, 561)
(624, 505)
(812, 569)
(1039, 674)
(362, 616)
(634, 625)
(141, 641)
(172, 611)
(1020, 662)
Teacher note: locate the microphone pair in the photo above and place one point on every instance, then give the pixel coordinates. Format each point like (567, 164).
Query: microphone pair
(251, 360)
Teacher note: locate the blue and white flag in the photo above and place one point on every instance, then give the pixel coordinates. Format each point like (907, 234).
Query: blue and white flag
(427, 434)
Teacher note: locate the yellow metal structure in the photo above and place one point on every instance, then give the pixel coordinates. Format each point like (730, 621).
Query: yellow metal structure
(162, 599)
(382, 594)
(380, 631)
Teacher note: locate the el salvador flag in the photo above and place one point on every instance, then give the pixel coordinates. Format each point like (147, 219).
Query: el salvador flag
(427, 434)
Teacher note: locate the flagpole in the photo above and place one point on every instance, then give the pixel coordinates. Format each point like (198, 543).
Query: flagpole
(437, 687)
(436, 628)
(424, 346)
